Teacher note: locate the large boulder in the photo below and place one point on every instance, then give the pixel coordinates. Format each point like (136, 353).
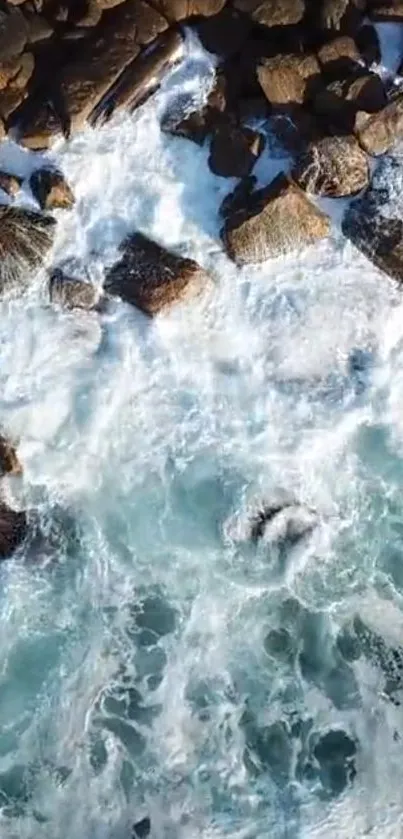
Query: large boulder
(374, 225)
(13, 33)
(13, 530)
(234, 150)
(25, 238)
(288, 80)
(182, 120)
(273, 12)
(378, 133)
(51, 189)
(333, 167)
(275, 220)
(153, 278)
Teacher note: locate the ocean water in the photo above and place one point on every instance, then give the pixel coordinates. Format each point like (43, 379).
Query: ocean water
(154, 661)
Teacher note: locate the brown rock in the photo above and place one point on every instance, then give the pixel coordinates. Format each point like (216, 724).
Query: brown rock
(39, 29)
(294, 131)
(10, 100)
(175, 10)
(339, 102)
(391, 11)
(51, 189)
(72, 293)
(236, 200)
(13, 530)
(152, 278)
(273, 12)
(10, 184)
(275, 220)
(9, 463)
(342, 15)
(25, 238)
(378, 133)
(339, 56)
(333, 167)
(288, 80)
(85, 81)
(234, 150)
(13, 33)
(8, 70)
(92, 14)
(182, 121)
(206, 8)
(36, 129)
(225, 33)
(109, 4)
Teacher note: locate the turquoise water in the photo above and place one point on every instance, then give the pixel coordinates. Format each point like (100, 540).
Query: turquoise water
(153, 661)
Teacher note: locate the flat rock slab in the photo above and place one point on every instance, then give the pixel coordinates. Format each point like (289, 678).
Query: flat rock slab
(25, 238)
(153, 278)
(274, 220)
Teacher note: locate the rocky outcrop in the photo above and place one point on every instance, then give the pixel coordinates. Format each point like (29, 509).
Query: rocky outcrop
(13, 530)
(25, 238)
(288, 80)
(234, 150)
(51, 190)
(333, 167)
(274, 221)
(72, 293)
(378, 133)
(273, 12)
(152, 278)
(9, 462)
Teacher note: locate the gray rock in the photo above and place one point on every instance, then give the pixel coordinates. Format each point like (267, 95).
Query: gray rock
(25, 238)
(72, 293)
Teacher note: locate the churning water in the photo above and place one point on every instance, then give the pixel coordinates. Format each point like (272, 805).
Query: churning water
(153, 661)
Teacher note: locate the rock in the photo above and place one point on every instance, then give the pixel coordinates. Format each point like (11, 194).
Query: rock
(51, 190)
(295, 130)
(391, 11)
(92, 14)
(333, 167)
(10, 100)
(9, 69)
(338, 103)
(182, 121)
(291, 523)
(86, 80)
(142, 828)
(288, 79)
(39, 29)
(72, 293)
(10, 184)
(9, 463)
(26, 68)
(37, 127)
(378, 133)
(368, 44)
(225, 33)
(273, 12)
(277, 219)
(109, 4)
(13, 33)
(342, 15)
(143, 77)
(236, 200)
(234, 150)
(152, 278)
(374, 226)
(25, 238)
(335, 752)
(339, 57)
(13, 530)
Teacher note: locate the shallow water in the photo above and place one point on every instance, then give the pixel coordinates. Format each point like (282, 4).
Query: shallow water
(152, 660)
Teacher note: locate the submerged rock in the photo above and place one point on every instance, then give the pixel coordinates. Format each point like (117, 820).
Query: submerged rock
(333, 167)
(153, 278)
(276, 219)
(25, 238)
(51, 189)
(13, 530)
(72, 293)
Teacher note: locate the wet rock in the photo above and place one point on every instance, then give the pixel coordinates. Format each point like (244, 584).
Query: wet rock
(9, 462)
(71, 293)
(276, 219)
(11, 184)
(234, 150)
(295, 130)
(390, 11)
(339, 56)
(182, 120)
(13, 530)
(335, 753)
(225, 33)
(288, 80)
(25, 238)
(13, 33)
(237, 199)
(342, 15)
(368, 44)
(152, 278)
(38, 127)
(51, 190)
(142, 828)
(39, 29)
(273, 12)
(333, 167)
(339, 102)
(142, 77)
(92, 14)
(378, 133)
